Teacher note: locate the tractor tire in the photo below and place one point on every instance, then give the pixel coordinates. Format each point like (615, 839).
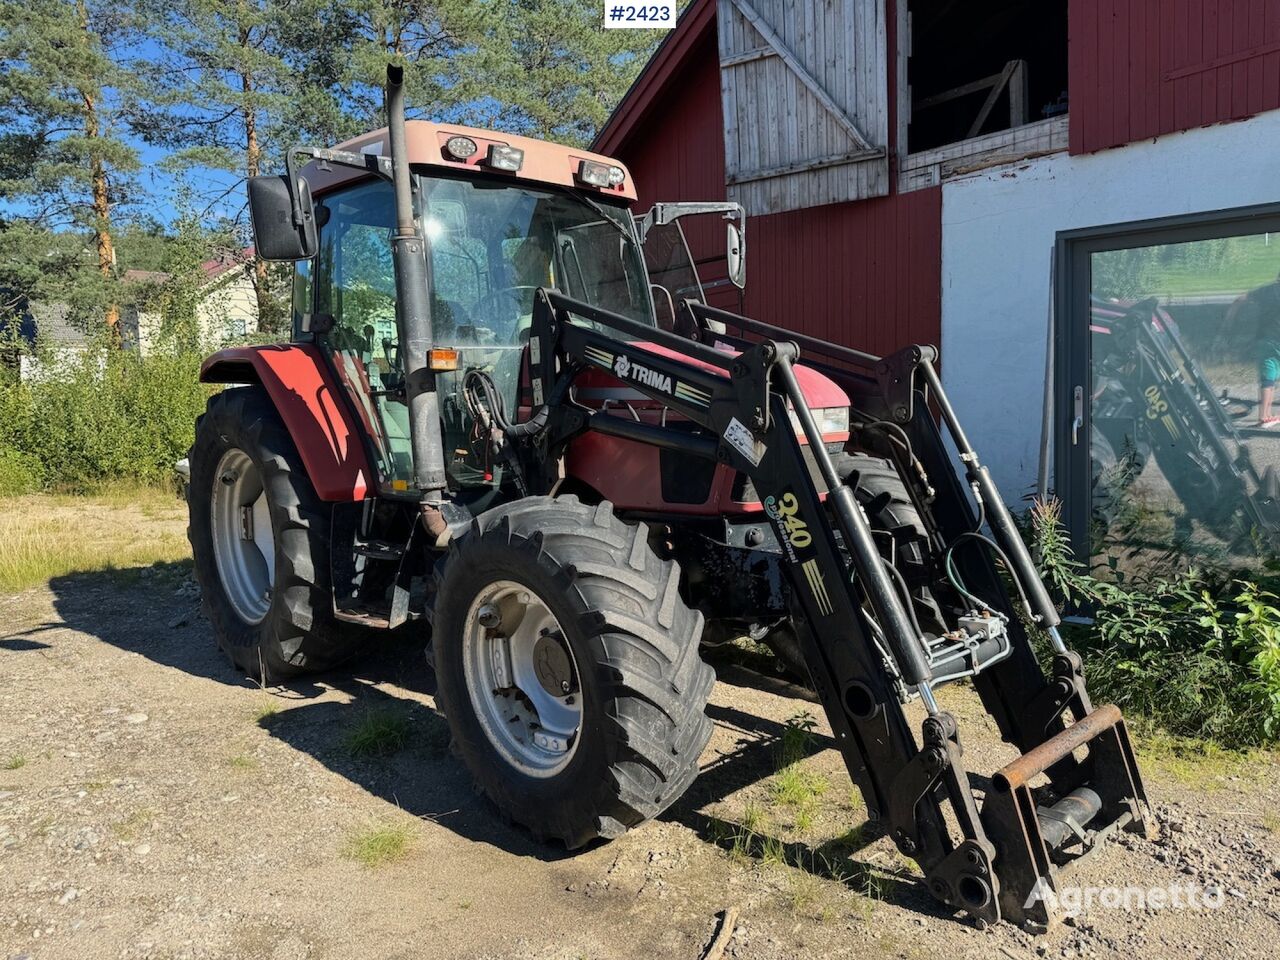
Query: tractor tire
(884, 498)
(889, 508)
(605, 609)
(268, 596)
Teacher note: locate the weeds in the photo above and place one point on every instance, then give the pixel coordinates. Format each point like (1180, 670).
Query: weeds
(378, 733)
(101, 416)
(793, 785)
(132, 826)
(242, 762)
(1197, 654)
(377, 844)
(267, 710)
(15, 762)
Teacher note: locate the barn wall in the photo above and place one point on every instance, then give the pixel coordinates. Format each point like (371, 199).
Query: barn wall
(1142, 68)
(998, 230)
(865, 273)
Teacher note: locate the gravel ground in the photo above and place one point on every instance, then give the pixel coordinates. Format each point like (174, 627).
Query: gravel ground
(155, 804)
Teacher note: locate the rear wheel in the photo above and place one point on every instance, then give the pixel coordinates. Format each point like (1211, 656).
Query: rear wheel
(260, 538)
(568, 668)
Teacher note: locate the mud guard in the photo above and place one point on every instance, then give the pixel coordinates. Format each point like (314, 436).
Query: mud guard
(305, 393)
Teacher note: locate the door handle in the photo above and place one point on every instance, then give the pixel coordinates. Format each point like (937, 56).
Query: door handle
(1078, 422)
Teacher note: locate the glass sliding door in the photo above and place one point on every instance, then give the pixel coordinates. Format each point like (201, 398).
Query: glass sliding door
(1171, 363)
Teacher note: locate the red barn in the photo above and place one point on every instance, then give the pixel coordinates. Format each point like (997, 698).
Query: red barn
(913, 170)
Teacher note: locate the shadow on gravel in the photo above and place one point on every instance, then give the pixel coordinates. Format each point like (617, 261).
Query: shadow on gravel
(421, 777)
(152, 612)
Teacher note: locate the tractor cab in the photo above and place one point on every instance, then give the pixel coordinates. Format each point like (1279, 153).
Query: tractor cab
(501, 220)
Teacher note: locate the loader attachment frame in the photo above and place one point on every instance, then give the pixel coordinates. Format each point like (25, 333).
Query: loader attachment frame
(863, 647)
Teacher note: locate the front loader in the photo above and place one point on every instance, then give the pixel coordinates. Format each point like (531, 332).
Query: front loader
(487, 431)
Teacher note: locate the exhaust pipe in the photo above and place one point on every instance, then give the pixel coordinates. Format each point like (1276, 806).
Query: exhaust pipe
(413, 311)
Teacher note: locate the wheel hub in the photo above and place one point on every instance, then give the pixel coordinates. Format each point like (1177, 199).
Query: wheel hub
(243, 539)
(551, 665)
(522, 679)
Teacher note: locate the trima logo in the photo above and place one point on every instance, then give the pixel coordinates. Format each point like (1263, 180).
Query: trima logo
(629, 370)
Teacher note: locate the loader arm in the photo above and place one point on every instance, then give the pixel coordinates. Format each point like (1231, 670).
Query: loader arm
(864, 650)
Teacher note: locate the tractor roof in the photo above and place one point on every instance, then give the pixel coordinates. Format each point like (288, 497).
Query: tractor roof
(544, 162)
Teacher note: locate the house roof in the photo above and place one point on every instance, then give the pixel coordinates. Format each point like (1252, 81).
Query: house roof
(52, 321)
(697, 21)
(219, 266)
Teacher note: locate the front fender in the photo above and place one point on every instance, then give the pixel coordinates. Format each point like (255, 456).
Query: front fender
(307, 397)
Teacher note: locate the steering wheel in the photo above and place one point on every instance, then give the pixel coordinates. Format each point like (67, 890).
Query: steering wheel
(517, 296)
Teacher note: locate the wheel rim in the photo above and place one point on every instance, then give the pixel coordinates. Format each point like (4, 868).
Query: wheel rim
(243, 541)
(516, 660)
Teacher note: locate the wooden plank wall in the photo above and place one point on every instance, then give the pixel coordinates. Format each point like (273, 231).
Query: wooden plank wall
(866, 273)
(1142, 68)
(791, 141)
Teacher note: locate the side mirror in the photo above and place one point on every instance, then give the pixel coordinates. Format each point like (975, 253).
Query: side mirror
(276, 235)
(736, 254)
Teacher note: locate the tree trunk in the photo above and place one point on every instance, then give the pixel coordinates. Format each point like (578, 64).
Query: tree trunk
(101, 197)
(252, 165)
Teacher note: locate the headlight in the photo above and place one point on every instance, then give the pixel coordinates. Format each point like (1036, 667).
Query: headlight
(829, 420)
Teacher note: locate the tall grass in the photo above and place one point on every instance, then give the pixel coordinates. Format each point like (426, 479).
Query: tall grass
(44, 536)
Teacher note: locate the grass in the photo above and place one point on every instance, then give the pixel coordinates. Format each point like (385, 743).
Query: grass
(1203, 764)
(243, 762)
(132, 826)
(43, 536)
(15, 762)
(794, 785)
(376, 844)
(266, 711)
(378, 733)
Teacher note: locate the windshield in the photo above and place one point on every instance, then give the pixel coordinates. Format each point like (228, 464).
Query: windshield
(494, 243)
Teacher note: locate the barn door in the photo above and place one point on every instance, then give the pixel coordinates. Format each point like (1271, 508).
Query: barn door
(804, 85)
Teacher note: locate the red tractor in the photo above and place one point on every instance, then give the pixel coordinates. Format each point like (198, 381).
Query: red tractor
(497, 424)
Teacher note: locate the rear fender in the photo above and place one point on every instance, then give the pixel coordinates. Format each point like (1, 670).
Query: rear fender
(307, 397)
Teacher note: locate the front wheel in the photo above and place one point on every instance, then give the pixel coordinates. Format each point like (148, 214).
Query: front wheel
(567, 666)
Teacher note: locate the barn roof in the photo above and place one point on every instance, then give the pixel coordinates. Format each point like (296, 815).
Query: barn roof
(697, 21)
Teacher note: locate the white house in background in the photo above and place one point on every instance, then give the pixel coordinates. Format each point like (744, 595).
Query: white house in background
(228, 307)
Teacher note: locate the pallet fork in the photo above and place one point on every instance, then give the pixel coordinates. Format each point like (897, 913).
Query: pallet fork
(988, 847)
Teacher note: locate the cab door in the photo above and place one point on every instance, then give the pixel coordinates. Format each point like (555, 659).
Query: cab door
(354, 319)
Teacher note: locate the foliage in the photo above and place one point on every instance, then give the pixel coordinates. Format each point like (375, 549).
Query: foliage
(66, 160)
(547, 69)
(1196, 653)
(100, 415)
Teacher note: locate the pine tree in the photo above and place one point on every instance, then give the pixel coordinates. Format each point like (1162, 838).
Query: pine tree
(548, 69)
(66, 164)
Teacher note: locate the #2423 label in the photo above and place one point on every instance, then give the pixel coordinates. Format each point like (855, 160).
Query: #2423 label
(626, 15)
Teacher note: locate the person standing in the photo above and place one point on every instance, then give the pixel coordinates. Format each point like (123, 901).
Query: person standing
(1262, 307)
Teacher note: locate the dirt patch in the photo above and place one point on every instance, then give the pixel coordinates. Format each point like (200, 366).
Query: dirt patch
(168, 808)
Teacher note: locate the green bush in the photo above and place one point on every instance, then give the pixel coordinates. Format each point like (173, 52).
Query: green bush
(18, 473)
(1197, 654)
(102, 416)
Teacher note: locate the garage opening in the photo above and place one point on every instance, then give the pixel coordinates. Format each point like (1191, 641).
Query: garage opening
(981, 67)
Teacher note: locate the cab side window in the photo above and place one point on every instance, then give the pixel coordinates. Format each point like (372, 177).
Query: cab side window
(355, 294)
